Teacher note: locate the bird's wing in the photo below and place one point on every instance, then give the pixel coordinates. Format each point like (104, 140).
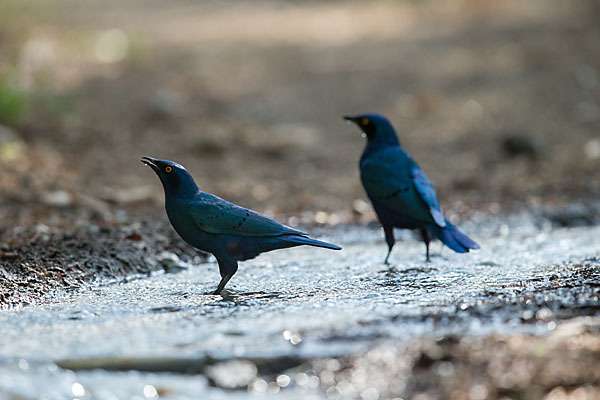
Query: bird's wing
(389, 179)
(212, 214)
(427, 193)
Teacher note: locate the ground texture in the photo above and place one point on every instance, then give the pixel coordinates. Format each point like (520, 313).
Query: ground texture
(498, 101)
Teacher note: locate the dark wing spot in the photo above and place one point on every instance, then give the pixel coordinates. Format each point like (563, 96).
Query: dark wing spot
(397, 192)
(244, 219)
(240, 224)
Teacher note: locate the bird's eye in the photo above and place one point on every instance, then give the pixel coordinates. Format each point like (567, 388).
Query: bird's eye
(364, 121)
(169, 169)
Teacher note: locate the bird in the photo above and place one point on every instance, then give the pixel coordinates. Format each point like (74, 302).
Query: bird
(214, 225)
(401, 194)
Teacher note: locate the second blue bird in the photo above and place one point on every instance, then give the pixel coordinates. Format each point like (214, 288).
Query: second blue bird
(209, 223)
(401, 194)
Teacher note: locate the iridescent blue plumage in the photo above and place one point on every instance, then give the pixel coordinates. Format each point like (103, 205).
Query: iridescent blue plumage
(401, 193)
(209, 223)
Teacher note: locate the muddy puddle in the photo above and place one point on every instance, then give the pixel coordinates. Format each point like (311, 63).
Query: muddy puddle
(308, 323)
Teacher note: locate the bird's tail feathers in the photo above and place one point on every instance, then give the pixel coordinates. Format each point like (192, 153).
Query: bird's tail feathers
(311, 242)
(455, 239)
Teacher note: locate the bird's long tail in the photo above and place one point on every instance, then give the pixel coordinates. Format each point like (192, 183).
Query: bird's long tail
(453, 238)
(311, 242)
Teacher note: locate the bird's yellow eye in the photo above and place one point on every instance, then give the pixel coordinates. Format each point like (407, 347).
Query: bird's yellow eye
(364, 121)
(169, 169)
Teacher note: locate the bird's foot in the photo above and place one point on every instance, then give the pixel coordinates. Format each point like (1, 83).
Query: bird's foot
(211, 293)
(390, 271)
(224, 293)
(214, 293)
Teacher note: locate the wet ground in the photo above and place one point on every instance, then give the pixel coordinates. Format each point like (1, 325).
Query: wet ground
(518, 318)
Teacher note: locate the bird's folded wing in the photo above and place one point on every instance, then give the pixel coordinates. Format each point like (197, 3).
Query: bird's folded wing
(427, 193)
(215, 215)
(388, 179)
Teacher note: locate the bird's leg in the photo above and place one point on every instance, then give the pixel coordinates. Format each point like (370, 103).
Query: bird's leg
(222, 284)
(426, 239)
(227, 268)
(389, 238)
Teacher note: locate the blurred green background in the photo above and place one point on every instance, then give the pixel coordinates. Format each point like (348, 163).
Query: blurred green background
(498, 101)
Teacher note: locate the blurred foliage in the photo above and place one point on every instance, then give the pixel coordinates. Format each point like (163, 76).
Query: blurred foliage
(12, 103)
(17, 104)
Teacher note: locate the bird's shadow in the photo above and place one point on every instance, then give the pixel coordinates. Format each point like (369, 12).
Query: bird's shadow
(404, 278)
(394, 271)
(227, 299)
(392, 266)
(242, 298)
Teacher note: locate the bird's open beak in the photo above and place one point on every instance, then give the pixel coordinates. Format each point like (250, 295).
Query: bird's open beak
(151, 162)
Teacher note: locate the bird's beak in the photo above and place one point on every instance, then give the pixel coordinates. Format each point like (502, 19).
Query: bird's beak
(349, 119)
(151, 162)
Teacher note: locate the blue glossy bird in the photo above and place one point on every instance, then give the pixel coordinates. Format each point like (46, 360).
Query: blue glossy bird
(401, 194)
(209, 223)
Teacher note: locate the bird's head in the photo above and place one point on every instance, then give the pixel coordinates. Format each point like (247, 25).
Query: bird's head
(175, 179)
(376, 128)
